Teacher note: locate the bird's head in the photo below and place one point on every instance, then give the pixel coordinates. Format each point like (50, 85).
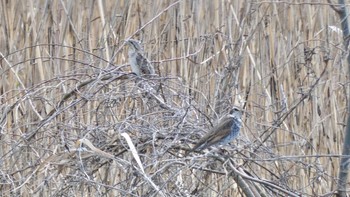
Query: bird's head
(134, 45)
(236, 112)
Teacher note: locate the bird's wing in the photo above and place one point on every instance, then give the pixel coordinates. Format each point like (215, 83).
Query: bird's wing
(214, 135)
(144, 64)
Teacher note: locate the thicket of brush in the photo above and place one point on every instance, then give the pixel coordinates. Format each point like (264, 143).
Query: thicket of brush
(75, 122)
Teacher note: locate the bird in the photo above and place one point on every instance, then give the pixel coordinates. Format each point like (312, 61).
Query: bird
(140, 65)
(224, 132)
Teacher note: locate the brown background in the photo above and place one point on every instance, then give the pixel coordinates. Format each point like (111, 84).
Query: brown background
(63, 86)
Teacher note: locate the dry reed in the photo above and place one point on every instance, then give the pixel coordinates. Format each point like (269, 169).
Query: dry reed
(69, 102)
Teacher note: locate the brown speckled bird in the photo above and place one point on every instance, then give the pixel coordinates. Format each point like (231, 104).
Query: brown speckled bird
(224, 132)
(139, 63)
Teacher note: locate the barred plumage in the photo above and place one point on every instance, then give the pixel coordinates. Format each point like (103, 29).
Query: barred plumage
(140, 65)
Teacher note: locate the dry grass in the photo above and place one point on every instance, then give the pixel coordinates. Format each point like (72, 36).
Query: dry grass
(67, 96)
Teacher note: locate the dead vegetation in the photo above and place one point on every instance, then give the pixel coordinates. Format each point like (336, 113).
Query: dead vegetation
(75, 122)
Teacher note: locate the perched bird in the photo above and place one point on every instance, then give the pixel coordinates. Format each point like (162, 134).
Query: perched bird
(223, 133)
(139, 63)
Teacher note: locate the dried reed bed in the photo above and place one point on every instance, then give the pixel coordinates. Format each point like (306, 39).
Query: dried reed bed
(69, 102)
